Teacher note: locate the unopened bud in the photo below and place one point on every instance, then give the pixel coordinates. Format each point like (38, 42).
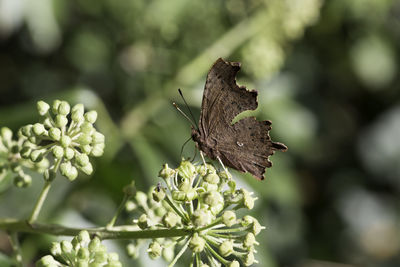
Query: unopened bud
(38, 129)
(229, 218)
(249, 240)
(55, 133)
(201, 217)
(197, 243)
(87, 169)
(170, 219)
(212, 178)
(66, 246)
(58, 152)
(60, 121)
(55, 105)
(82, 159)
(91, 116)
(64, 108)
(166, 172)
(154, 250)
(187, 170)
(158, 193)
(226, 248)
(143, 222)
(42, 107)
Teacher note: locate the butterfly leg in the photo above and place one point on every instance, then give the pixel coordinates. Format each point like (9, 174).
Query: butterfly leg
(223, 166)
(202, 157)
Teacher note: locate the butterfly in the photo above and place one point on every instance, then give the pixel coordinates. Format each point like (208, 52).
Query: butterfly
(244, 145)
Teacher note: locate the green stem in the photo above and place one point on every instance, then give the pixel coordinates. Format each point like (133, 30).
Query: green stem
(216, 255)
(43, 194)
(192, 261)
(216, 222)
(120, 208)
(225, 235)
(197, 259)
(231, 230)
(179, 254)
(117, 232)
(16, 248)
(172, 205)
(40, 201)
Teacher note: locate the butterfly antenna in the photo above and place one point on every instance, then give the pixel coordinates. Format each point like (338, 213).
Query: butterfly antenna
(183, 146)
(195, 154)
(187, 106)
(184, 115)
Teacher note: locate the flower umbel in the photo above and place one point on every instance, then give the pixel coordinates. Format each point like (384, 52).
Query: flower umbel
(198, 198)
(81, 251)
(12, 159)
(66, 133)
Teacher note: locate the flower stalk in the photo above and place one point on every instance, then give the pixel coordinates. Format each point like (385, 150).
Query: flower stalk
(39, 203)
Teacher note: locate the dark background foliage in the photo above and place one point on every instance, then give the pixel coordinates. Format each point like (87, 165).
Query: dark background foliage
(327, 76)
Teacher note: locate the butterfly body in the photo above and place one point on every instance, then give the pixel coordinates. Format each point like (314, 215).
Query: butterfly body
(244, 145)
(209, 147)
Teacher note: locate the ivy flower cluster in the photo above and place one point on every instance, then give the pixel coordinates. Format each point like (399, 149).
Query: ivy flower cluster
(193, 209)
(204, 202)
(81, 251)
(11, 161)
(66, 133)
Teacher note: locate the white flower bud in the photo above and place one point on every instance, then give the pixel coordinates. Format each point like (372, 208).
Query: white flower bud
(55, 133)
(82, 159)
(55, 105)
(87, 169)
(65, 141)
(197, 243)
(6, 133)
(91, 116)
(47, 261)
(86, 149)
(38, 129)
(234, 263)
(212, 178)
(84, 237)
(171, 219)
(87, 127)
(229, 218)
(166, 172)
(58, 152)
(98, 138)
(84, 254)
(154, 250)
(249, 240)
(64, 108)
(27, 130)
(186, 170)
(226, 248)
(36, 155)
(97, 150)
(201, 217)
(66, 246)
(69, 153)
(55, 249)
(143, 221)
(212, 198)
(249, 258)
(42, 107)
(60, 121)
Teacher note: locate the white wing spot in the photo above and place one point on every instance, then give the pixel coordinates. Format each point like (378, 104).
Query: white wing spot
(239, 144)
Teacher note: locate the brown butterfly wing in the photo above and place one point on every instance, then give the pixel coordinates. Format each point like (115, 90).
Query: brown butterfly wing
(245, 145)
(223, 99)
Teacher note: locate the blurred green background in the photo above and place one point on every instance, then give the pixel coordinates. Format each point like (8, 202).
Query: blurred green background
(327, 76)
